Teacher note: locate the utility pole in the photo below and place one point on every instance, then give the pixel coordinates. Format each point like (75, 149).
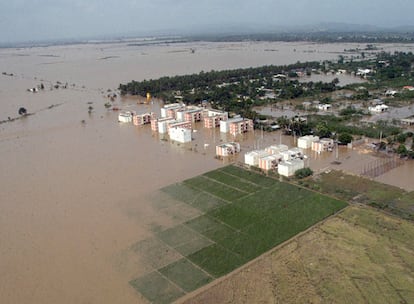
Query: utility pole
(336, 152)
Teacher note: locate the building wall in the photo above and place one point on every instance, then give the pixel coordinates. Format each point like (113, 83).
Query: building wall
(288, 168)
(213, 121)
(305, 142)
(224, 126)
(322, 145)
(268, 163)
(227, 149)
(142, 119)
(125, 117)
(240, 127)
(252, 158)
(181, 135)
(276, 149)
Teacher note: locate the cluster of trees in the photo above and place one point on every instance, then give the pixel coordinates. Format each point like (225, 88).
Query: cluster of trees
(304, 172)
(390, 66)
(340, 128)
(205, 80)
(239, 90)
(318, 36)
(233, 90)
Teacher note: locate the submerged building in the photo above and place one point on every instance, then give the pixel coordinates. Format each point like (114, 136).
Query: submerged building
(322, 145)
(190, 113)
(170, 110)
(212, 118)
(276, 149)
(252, 158)
(288, 168)
(305, 142)
(180, 134)
(143, 119)
(236, 126)
(125, 116)
(270, 162)
(227, 149)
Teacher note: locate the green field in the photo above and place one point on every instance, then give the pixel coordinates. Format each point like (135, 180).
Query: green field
(362, 190)
(360, 255)
(243, 214)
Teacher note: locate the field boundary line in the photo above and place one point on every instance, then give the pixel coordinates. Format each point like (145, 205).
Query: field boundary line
(241, 178)
(201, 190)
(255, 260)
(219, 182)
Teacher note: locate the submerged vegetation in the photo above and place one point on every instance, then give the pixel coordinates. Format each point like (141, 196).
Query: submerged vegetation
(242, 215)
(387, 78)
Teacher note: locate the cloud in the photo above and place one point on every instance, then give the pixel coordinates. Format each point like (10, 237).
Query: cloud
(21, 19)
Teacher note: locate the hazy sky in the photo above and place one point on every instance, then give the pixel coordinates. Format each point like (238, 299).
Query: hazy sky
(44, 19)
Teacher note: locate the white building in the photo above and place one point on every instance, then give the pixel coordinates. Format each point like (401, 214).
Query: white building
(276, 149)
(252, 158)
(288, 168)
(324, 107)
(390, 92)
(305, 142)
(125, 116)
(227, 149)
(324, 144)
(212, 118)
(270, 162)
(293, 153)
(190, 113)
(143, 119)
(363, 72)
(182, 135)
(378, 108)
(237, 125)
(170, 110)
(225, 125)
(163, 124)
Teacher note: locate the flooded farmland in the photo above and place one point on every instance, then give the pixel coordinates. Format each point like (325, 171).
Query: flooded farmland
(76, 186)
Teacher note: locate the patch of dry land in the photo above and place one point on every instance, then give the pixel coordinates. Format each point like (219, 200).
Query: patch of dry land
(358, 256)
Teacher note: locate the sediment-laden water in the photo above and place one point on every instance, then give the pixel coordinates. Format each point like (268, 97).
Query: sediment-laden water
(75, 186)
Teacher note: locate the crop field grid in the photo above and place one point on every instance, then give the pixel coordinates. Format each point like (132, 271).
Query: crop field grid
(243, 215)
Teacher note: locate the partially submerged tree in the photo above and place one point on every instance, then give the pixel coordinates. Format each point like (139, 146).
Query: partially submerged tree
(304, 172)
(345, 138)
(22, 111)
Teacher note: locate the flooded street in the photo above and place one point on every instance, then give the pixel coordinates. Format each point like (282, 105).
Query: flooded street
(74, 195)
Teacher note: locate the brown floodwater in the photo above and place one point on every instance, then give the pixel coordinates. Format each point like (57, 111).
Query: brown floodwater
(74, 195)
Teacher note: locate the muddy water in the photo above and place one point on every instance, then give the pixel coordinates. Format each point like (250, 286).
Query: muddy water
(74, 194)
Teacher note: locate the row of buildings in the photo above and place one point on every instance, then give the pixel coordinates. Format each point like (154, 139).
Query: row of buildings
(287, 160)
(315, 143)
(277, 157)
(177, 121)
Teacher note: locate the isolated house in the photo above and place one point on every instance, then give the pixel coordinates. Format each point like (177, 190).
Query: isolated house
(378, 108)
(324, 107)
